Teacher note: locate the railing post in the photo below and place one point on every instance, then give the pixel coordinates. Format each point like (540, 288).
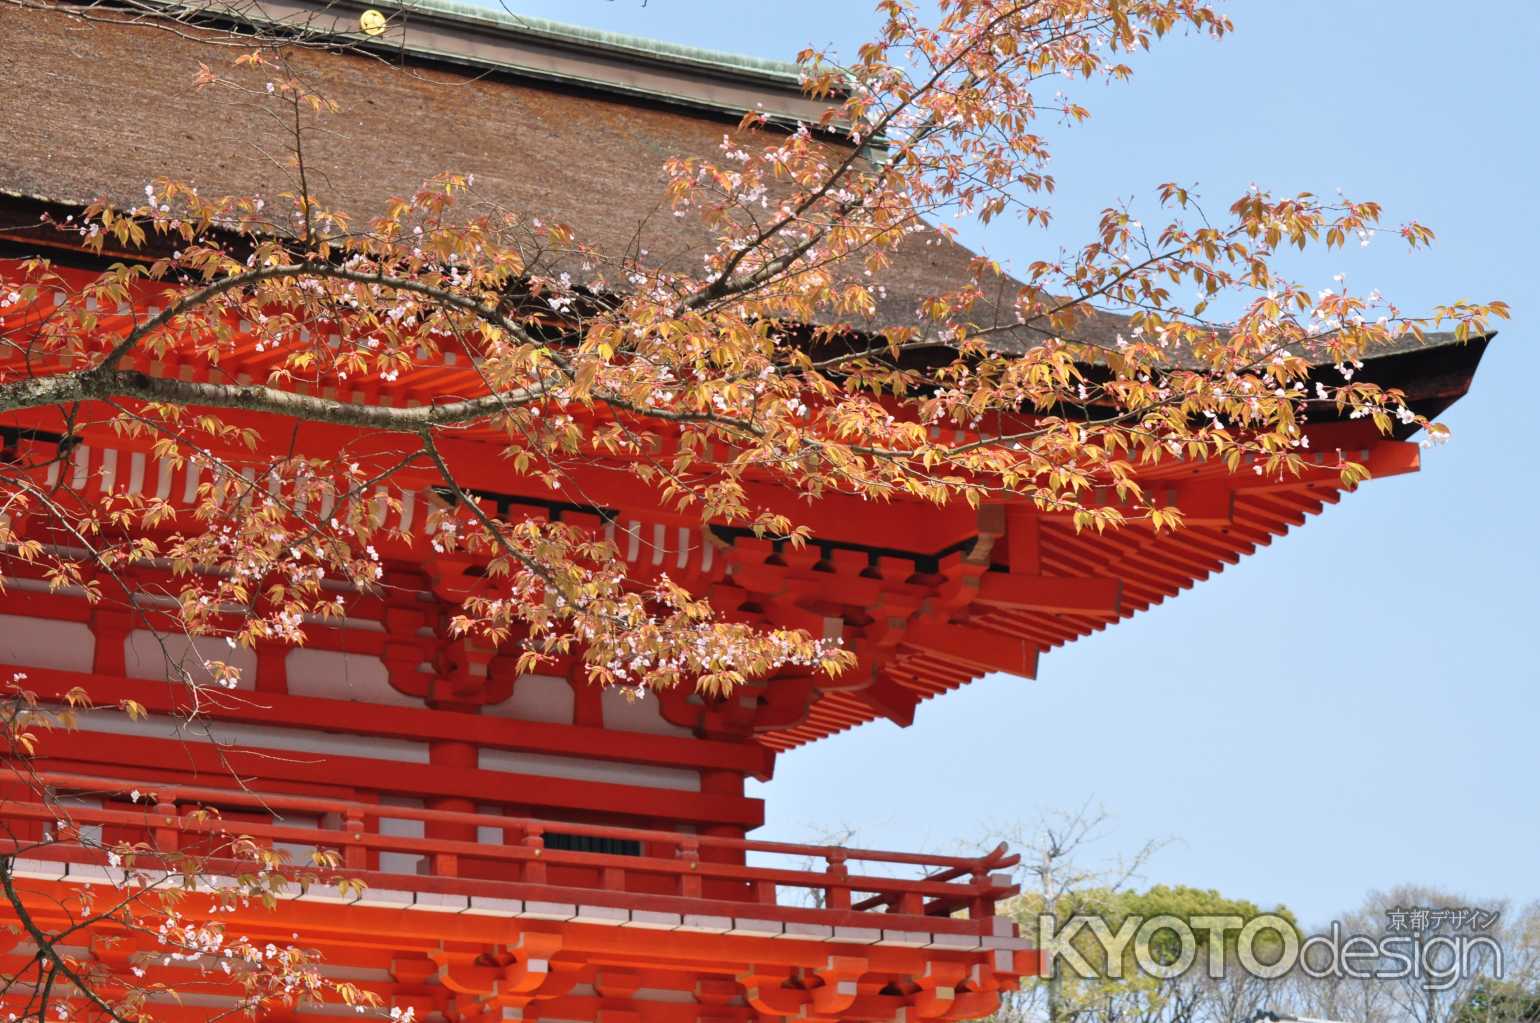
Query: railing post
(534, 869)
(64, 829)
(355, 856)
(982, 905)
(167, 821)
(690, 883)
(837, 896)
(451, 753)
(446, 865)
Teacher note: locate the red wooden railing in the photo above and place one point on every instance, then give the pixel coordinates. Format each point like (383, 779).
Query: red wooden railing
(675, 872)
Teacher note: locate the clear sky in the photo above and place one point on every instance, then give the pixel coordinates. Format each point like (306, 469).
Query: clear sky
(1385, 725)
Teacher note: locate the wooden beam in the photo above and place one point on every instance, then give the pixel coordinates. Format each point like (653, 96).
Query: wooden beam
(151, 759)
(1079, 595)
(1023, 540)
(278, 711)
(993, 651)
(891, 700)
(1202, 503)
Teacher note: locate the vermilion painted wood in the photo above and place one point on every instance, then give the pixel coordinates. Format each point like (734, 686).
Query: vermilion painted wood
(409, 952)
(99, 786)
(927, 598)
(930, 915)
(283, 710)
(141, 757)
(169, 826)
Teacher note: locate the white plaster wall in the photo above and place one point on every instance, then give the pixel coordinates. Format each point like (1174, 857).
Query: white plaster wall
(396, 862)
(485, 834)
(636, 714)
(273, 737)
(537, 698)
(339, 676)
(154, 655)
(46, 643)
(89, 833)
(579, 769)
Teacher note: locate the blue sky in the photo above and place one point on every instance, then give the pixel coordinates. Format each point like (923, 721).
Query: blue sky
(1355, 706)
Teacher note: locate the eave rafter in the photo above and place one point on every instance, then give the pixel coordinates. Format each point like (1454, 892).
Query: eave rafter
(1021, 583)
(998, 587)
(1029, 581)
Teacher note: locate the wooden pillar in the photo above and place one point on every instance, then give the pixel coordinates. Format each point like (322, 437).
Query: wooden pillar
(272, 668)
(723, 783)
(587, 698)
(405, 616)
(450, 753)
(110, 627)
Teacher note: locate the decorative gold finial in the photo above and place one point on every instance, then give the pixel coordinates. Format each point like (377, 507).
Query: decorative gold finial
(371, 22)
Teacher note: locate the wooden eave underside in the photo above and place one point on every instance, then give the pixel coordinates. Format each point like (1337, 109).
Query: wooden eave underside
(926, 617)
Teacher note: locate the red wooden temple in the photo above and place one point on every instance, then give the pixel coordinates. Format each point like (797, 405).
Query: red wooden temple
(535, 847)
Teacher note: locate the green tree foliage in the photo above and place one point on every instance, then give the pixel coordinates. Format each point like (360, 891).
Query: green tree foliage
(1121, 989)
(1495, 1001)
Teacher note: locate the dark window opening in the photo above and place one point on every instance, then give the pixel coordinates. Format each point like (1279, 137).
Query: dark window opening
(592, 844)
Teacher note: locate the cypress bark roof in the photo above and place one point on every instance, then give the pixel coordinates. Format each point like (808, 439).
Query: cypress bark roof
(97, 110)
(556, 122)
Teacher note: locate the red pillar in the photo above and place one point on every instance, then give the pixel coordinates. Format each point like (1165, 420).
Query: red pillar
(450, 753)
(723, 783)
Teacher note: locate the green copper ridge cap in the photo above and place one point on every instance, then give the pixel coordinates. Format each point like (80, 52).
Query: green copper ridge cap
(486, 37)
(784, 72)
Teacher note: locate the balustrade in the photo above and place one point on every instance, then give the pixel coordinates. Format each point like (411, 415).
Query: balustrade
(956, 894)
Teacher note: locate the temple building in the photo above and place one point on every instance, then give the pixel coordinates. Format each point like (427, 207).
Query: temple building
(535, 847)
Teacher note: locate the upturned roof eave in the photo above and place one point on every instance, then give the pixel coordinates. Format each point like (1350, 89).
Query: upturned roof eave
(1434, 371)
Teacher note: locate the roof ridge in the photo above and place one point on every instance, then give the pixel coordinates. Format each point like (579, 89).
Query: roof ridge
(484, 37)
(642, 46)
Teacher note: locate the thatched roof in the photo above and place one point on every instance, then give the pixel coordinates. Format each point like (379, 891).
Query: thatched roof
(554, 122)
(97, 110)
